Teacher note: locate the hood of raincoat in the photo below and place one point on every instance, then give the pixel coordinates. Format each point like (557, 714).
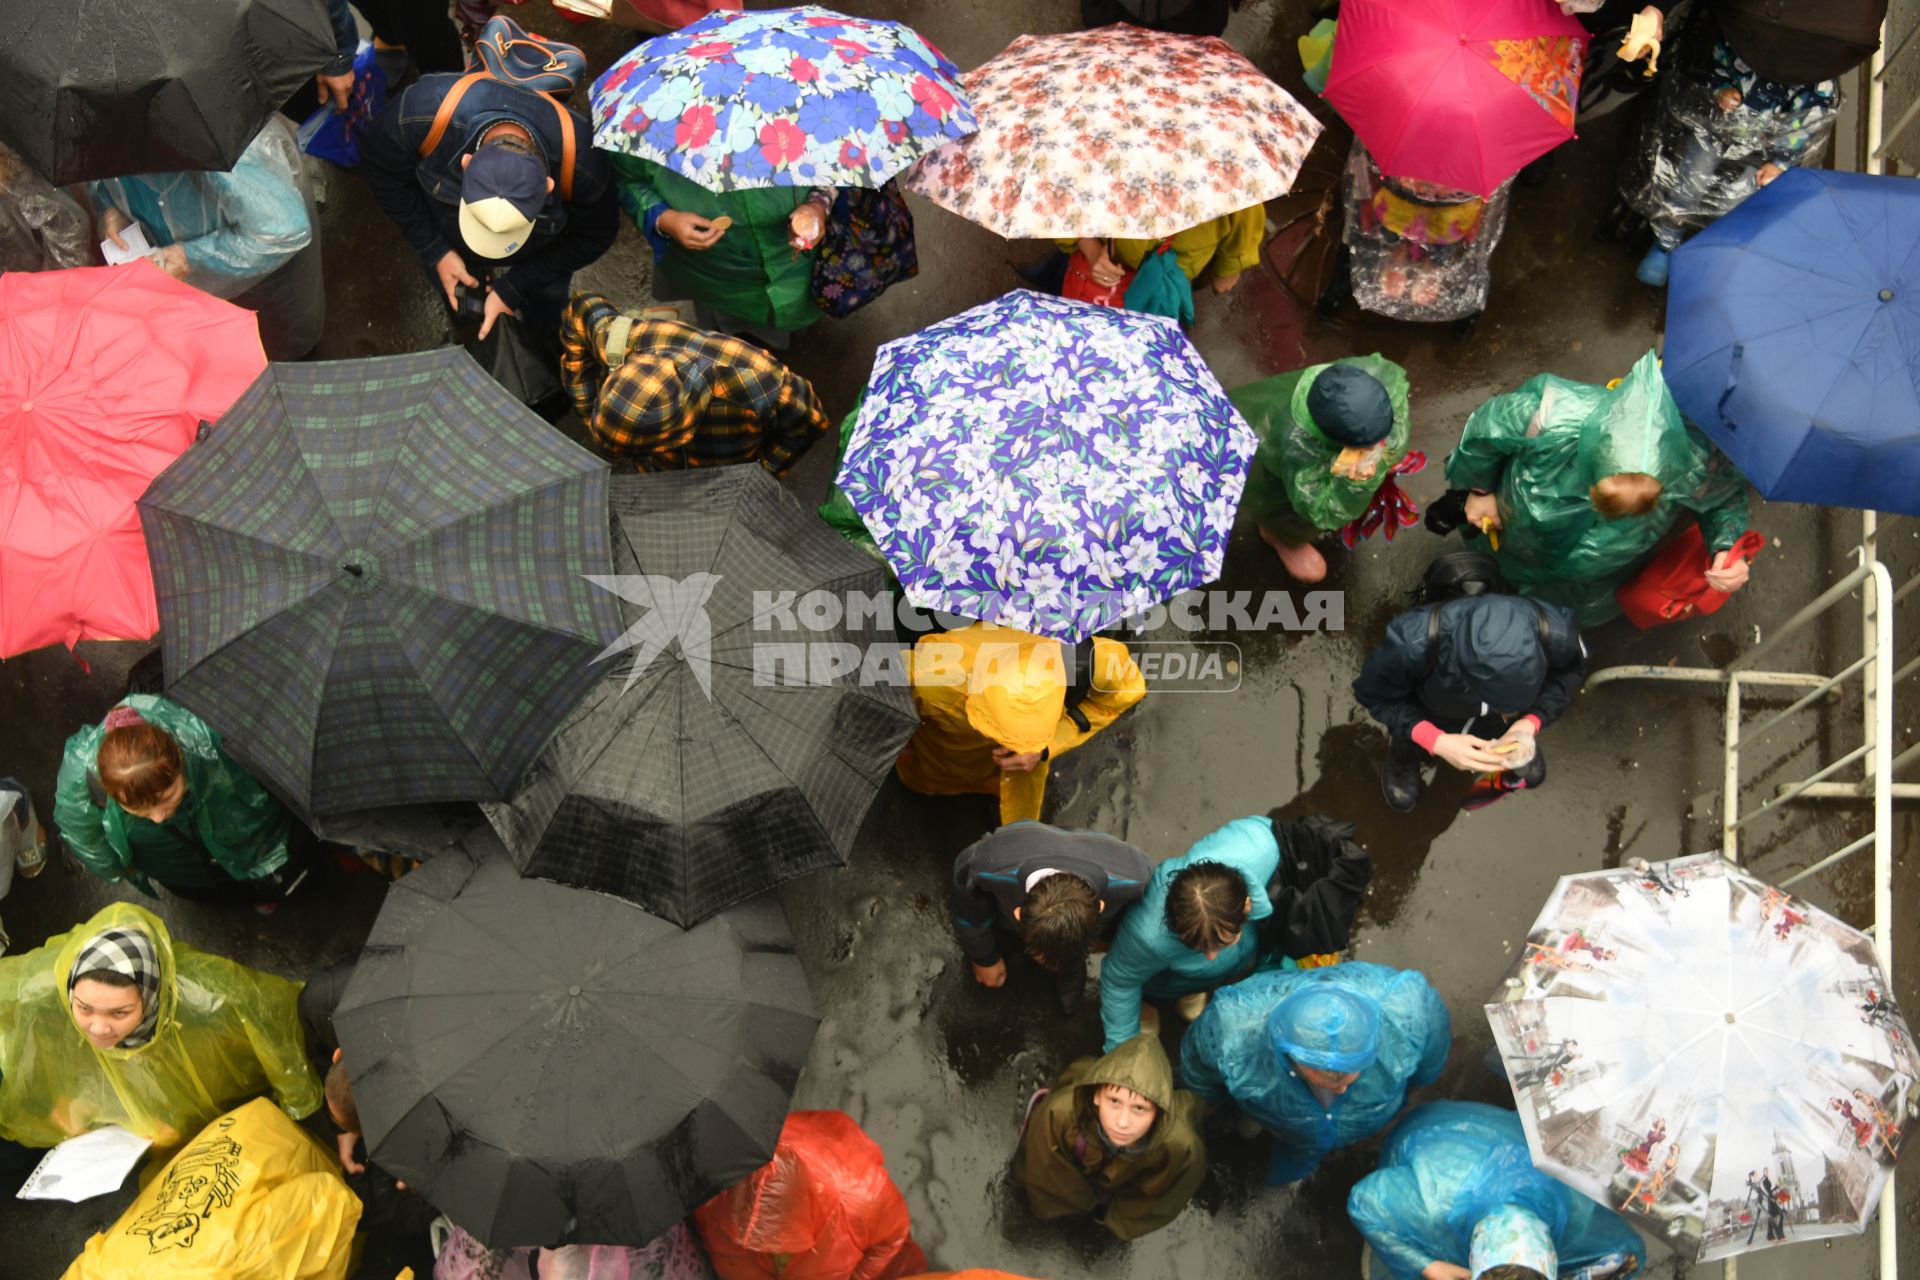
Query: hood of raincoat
(1326, 1028)
(1495, 653)
(119, 916)
(1017, 688)
(824, 1171)
(1637, 427)
(1140, 1065)
(1512, 1236)
(1348, 406)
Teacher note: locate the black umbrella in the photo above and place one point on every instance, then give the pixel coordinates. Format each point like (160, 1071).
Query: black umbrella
(372, 578)
(694, 775)
(551, 1066)
(101, 88)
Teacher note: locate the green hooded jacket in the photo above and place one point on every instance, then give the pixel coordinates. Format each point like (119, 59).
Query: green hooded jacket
(242, 827)
(1069, 1168)
(1291, 489)
(1540, 449)
(752, 271)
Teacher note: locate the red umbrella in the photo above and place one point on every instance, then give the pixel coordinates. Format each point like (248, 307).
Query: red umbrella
(1461, 93)
(105, 375)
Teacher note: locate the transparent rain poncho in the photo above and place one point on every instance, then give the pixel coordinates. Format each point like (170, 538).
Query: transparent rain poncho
(1419, 252)
(41, 227)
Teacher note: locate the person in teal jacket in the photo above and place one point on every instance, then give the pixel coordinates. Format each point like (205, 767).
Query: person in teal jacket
(1319, 1058)
(149, 795)
(1456, 1195)
(1187, 935)
(745, 274)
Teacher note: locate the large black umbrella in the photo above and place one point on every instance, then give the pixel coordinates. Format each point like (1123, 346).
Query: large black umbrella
(732, 748)
(372, 578)
(551, 1066)
(101, 88)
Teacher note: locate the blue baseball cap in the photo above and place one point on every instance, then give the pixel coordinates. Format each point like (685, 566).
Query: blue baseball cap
(501, 194)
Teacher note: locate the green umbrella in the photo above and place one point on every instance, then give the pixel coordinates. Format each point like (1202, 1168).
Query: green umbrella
(372, 580)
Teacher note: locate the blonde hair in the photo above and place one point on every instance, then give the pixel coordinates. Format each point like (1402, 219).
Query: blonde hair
(1626, 493)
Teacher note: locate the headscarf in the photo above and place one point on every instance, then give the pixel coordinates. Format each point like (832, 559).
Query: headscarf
(130, 953)
(1512, 1236)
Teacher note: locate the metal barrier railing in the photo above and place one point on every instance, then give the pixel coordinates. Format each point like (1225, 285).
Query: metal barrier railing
(1876, 783)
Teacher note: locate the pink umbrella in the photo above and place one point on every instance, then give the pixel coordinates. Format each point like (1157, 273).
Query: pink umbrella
(105, 375)
(1461, 93)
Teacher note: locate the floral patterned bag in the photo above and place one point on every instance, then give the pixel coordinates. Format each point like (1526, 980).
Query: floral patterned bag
(868, 245)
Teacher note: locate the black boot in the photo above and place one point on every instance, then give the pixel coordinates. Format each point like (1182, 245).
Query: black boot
(1070, 986)
(1400, 781)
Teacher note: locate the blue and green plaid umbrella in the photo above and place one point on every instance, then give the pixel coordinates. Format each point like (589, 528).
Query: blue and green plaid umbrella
(371, 576)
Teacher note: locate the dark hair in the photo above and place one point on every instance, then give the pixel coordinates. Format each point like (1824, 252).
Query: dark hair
(105, 977)
(340, 1099)
(1206, 905)
(1512, 1271)
(138, 764)
(1059, 918)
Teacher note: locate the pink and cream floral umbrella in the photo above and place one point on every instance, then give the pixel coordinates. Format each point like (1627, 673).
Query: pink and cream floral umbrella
(1117, 131)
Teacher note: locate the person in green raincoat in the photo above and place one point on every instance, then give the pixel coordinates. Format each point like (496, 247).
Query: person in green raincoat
(115, 1023)
(1580, 485)
(1115, 1139)
(150, 796)
(1330, 435)
(736, 255)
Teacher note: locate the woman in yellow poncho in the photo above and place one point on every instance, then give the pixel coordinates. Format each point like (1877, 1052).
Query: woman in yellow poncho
(114, 1023)
(993, 712)
(1228, 244)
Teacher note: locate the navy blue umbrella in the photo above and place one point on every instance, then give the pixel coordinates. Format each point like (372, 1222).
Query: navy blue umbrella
(1793, 338)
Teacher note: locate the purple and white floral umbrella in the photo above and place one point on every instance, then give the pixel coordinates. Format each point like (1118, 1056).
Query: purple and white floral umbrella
(1047, 464)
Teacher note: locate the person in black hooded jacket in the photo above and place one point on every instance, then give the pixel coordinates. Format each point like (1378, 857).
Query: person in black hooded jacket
(1471, 681)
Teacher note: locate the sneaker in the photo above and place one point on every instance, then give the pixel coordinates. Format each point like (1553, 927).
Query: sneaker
(1192, 1006)
(1653, 268)
(1070, 989)
(1303, 563)
(1401, 782)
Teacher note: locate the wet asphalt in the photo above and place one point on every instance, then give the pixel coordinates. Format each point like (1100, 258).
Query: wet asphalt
(936, 1068)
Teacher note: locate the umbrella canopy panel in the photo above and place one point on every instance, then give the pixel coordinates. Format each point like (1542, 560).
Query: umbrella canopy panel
(1707, 1054)
(102, 88)
(1117, 131)
(106, 373)
(1793, 338)
(551, 1066)
(700, 771)
(372, 578)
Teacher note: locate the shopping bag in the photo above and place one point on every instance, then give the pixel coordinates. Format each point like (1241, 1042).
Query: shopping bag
(867, 247)
(1673, 585)
(1082, 287)
(334, 135)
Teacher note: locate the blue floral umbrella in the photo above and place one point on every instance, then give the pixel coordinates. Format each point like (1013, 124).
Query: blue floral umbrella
(786, 97)
(1050, 465)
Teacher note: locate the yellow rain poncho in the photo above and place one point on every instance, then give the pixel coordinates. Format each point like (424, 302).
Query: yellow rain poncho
(226, 1033)
(1229, 244)
(988, 686)
(252, 1197)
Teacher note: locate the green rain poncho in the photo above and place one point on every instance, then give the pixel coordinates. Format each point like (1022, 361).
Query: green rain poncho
(1291, 489)
(242, 827)
(225, 1033)
(1539, 450)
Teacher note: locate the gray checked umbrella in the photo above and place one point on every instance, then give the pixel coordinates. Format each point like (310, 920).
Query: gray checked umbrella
(735, 749)
(551, 1066)
(372, 577)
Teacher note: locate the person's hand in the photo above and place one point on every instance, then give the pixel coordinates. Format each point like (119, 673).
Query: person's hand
(346, 1143)
(452, 270)
(1106, 272)
(1727, 99)
(1768, 172)
(496, 307)
(334, 90)
(689, 230)
(1016, 762)
(1445, 1271)
(113, 222)
(1726, 574)
(171, 259)
(808, 223)
(1468, 754)
(991, 975)
(1483, 506)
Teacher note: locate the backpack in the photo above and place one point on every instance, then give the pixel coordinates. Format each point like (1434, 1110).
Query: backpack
(508, 54)
(1461, 573)
(1542, 628)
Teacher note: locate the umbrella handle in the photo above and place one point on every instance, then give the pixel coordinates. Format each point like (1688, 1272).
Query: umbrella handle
(1733, 382)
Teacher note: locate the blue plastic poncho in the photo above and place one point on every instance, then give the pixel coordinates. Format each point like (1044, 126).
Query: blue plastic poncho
(1148, 957)
(1456, 1184)
(1230, 1054)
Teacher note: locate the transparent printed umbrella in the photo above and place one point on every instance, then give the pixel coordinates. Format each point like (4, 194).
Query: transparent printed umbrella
(1707, 1054)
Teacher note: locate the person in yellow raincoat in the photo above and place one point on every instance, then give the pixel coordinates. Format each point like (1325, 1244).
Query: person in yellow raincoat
(1228, 244)
(115, 1023)
(994, 712)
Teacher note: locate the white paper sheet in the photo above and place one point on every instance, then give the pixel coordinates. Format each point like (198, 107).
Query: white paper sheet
(90, 1165)
(137, 246)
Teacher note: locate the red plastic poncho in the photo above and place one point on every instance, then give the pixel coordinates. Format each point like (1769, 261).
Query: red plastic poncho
(822, 1209)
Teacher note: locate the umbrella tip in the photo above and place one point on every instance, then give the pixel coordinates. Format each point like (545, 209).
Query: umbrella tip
(1886, 295)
